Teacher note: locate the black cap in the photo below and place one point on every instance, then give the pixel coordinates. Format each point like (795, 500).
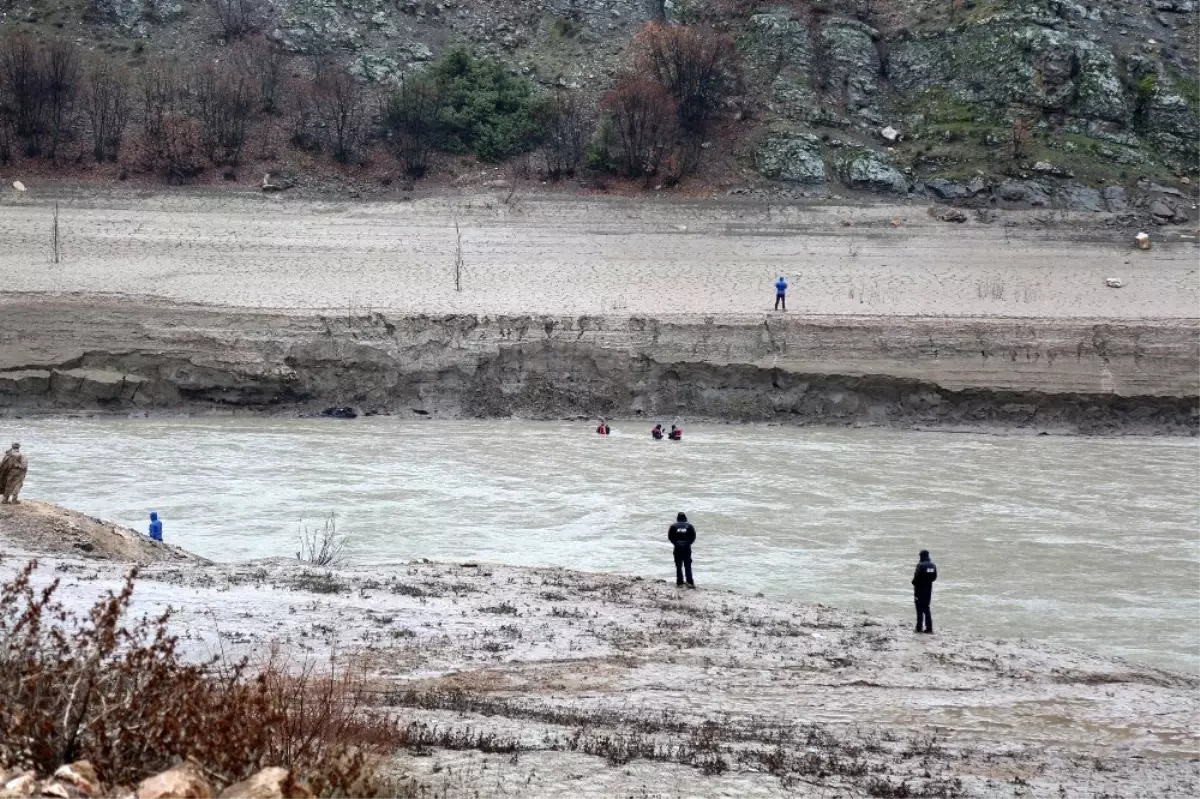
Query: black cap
(681, 517)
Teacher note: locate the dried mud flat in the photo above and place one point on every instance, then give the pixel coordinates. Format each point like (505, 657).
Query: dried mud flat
(578, 306)
(554, 682)
(567, 255)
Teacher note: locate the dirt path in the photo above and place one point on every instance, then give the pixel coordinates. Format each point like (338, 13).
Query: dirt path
(552, 255)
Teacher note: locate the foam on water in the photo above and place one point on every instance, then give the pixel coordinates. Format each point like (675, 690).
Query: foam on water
(1086, 542)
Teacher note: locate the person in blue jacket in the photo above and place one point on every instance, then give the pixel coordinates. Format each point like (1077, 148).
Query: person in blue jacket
(781, 293)
(155, 526)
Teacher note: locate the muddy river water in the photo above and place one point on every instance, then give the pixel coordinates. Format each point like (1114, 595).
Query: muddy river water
(1084, 542)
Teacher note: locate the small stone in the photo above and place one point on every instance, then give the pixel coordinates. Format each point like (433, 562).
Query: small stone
(270, 783)
(81, 773)
(1113, 282)
(18, 787)
(181, 782)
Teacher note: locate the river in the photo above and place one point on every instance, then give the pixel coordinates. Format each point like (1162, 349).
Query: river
(1085, 542)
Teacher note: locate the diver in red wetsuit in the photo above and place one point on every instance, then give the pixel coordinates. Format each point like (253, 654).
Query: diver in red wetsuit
(676, 433)
(603, 428)
(657, 432)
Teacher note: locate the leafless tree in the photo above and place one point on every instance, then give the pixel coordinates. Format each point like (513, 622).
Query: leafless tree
(643, 119)
(409, 119)
(171, 142)
(225, 102)
(106, 104)
(237, 18)
(696, 65)
(340, 107)
(257, 58)
(22, 95)
(60, 86)
(301, 115)
(569, 124)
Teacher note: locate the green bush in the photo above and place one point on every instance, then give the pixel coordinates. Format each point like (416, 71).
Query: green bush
(483, 109)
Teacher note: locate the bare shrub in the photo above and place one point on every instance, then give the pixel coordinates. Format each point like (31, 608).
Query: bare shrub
(569, 123)
(22, 99)
(302, 124)
(321, 546)
(410, 119)
(122, 697)
(340, 108)
(38, 88)
(60, 81)
(697, 66)
(106, 104)
(236, 18)
(643, 119)
(171, 138)
(6, 140)
(225, 100)
(265, 64)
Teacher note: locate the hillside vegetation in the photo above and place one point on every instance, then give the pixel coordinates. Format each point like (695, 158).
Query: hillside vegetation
(1014, 101)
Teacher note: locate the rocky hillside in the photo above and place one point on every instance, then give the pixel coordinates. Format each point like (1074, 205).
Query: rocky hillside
(1045, 102)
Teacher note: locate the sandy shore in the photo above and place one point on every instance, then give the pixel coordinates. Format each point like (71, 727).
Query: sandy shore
(548, 682)
(571, 256)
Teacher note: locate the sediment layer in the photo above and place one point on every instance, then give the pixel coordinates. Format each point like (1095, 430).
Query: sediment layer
(97, 354)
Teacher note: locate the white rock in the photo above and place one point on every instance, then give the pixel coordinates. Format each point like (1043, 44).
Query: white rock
(18, 185)
(1143, 241)
(890, 133)
(1113, 282)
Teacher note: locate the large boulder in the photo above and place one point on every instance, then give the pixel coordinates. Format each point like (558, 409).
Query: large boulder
(866, 169)
(947, 189)
(793, 157)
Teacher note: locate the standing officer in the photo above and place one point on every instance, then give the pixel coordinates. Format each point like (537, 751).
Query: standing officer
(682, 534)
(923, 579)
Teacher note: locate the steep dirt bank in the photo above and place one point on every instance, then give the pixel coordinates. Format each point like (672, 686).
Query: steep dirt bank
(1073, 375)
(559, 682)
(40, 528)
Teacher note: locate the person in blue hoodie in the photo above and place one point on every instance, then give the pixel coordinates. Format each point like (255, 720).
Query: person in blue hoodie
(155, 526)
(781, 293)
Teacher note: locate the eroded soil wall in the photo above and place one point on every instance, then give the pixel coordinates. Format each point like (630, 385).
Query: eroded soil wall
(1062, 375)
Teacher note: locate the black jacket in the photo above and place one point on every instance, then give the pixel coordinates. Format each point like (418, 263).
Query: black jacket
(681, 534)
(923, 579)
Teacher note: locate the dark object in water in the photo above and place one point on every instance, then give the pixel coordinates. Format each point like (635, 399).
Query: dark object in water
(340, 412)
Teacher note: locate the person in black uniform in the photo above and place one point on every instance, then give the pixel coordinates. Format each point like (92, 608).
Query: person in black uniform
(682, 534)
(923, 579)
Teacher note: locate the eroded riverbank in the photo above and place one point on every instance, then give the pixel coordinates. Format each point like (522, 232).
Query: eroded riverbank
(1061, 376)
(565, 306)
(552, 681)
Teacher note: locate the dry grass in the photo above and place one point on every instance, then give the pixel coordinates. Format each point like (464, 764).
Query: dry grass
(119, 695)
